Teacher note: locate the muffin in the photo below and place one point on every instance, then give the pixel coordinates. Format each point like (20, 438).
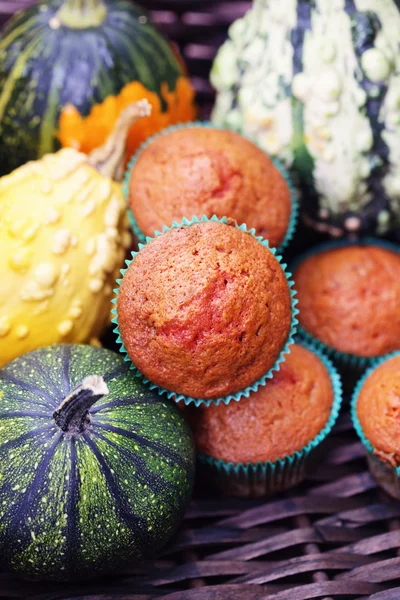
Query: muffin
(199, 170)
(263, 443)
(205, 311)
(349, 297)
(376, 417)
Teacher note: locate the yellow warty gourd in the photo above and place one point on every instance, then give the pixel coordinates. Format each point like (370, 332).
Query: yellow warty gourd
(63, 238)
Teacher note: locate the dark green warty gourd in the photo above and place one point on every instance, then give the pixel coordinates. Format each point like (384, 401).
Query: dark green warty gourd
(95, 469)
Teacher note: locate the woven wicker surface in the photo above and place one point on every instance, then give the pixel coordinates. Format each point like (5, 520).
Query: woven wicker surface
(336, 536)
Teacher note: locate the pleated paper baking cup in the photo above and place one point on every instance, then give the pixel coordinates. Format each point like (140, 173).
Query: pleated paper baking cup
(267, 478)
(387, 476)
(341, 358)
(259, 382)
(294, 215)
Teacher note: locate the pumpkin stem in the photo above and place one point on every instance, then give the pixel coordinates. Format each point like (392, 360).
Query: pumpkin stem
(72, 416)
(109, 159)
(80, 14)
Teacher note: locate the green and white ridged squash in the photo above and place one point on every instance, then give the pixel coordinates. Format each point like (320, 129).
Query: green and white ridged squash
(317, 84)
(95, 469)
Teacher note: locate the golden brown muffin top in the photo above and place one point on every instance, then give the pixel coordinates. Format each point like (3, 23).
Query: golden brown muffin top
(204, 310)
(280, 418)
(378, 410)
(349, 299)
(200, 171)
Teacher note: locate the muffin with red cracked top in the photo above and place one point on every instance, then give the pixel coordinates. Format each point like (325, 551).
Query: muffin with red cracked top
(276, 421)
(376, 418)
(201, 170)
(349, 297)
(266, 443)
(205, 311)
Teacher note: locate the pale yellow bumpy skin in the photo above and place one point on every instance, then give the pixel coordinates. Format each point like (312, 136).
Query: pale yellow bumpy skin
(63, 238)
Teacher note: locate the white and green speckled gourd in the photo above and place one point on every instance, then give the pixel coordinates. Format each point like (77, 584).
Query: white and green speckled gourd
(317, 83)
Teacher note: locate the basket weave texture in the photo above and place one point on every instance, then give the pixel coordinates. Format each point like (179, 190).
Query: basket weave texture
(335, 536)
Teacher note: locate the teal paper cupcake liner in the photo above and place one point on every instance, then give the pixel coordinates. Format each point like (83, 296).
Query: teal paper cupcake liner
(261, 381)
(342, 358)
(264, 479)
(294, 216)
(388, 477)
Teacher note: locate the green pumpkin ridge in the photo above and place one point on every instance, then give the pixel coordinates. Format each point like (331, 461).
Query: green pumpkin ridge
(95, 469)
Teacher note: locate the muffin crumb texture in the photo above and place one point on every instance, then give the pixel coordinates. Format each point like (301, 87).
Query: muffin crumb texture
(378, 410)
(200, 171)
(349, 299)
(204, 310)
(279, 419)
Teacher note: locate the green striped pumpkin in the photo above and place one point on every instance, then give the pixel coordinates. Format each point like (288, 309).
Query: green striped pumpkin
(317, 83)
(95, 469)
(79, 52)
